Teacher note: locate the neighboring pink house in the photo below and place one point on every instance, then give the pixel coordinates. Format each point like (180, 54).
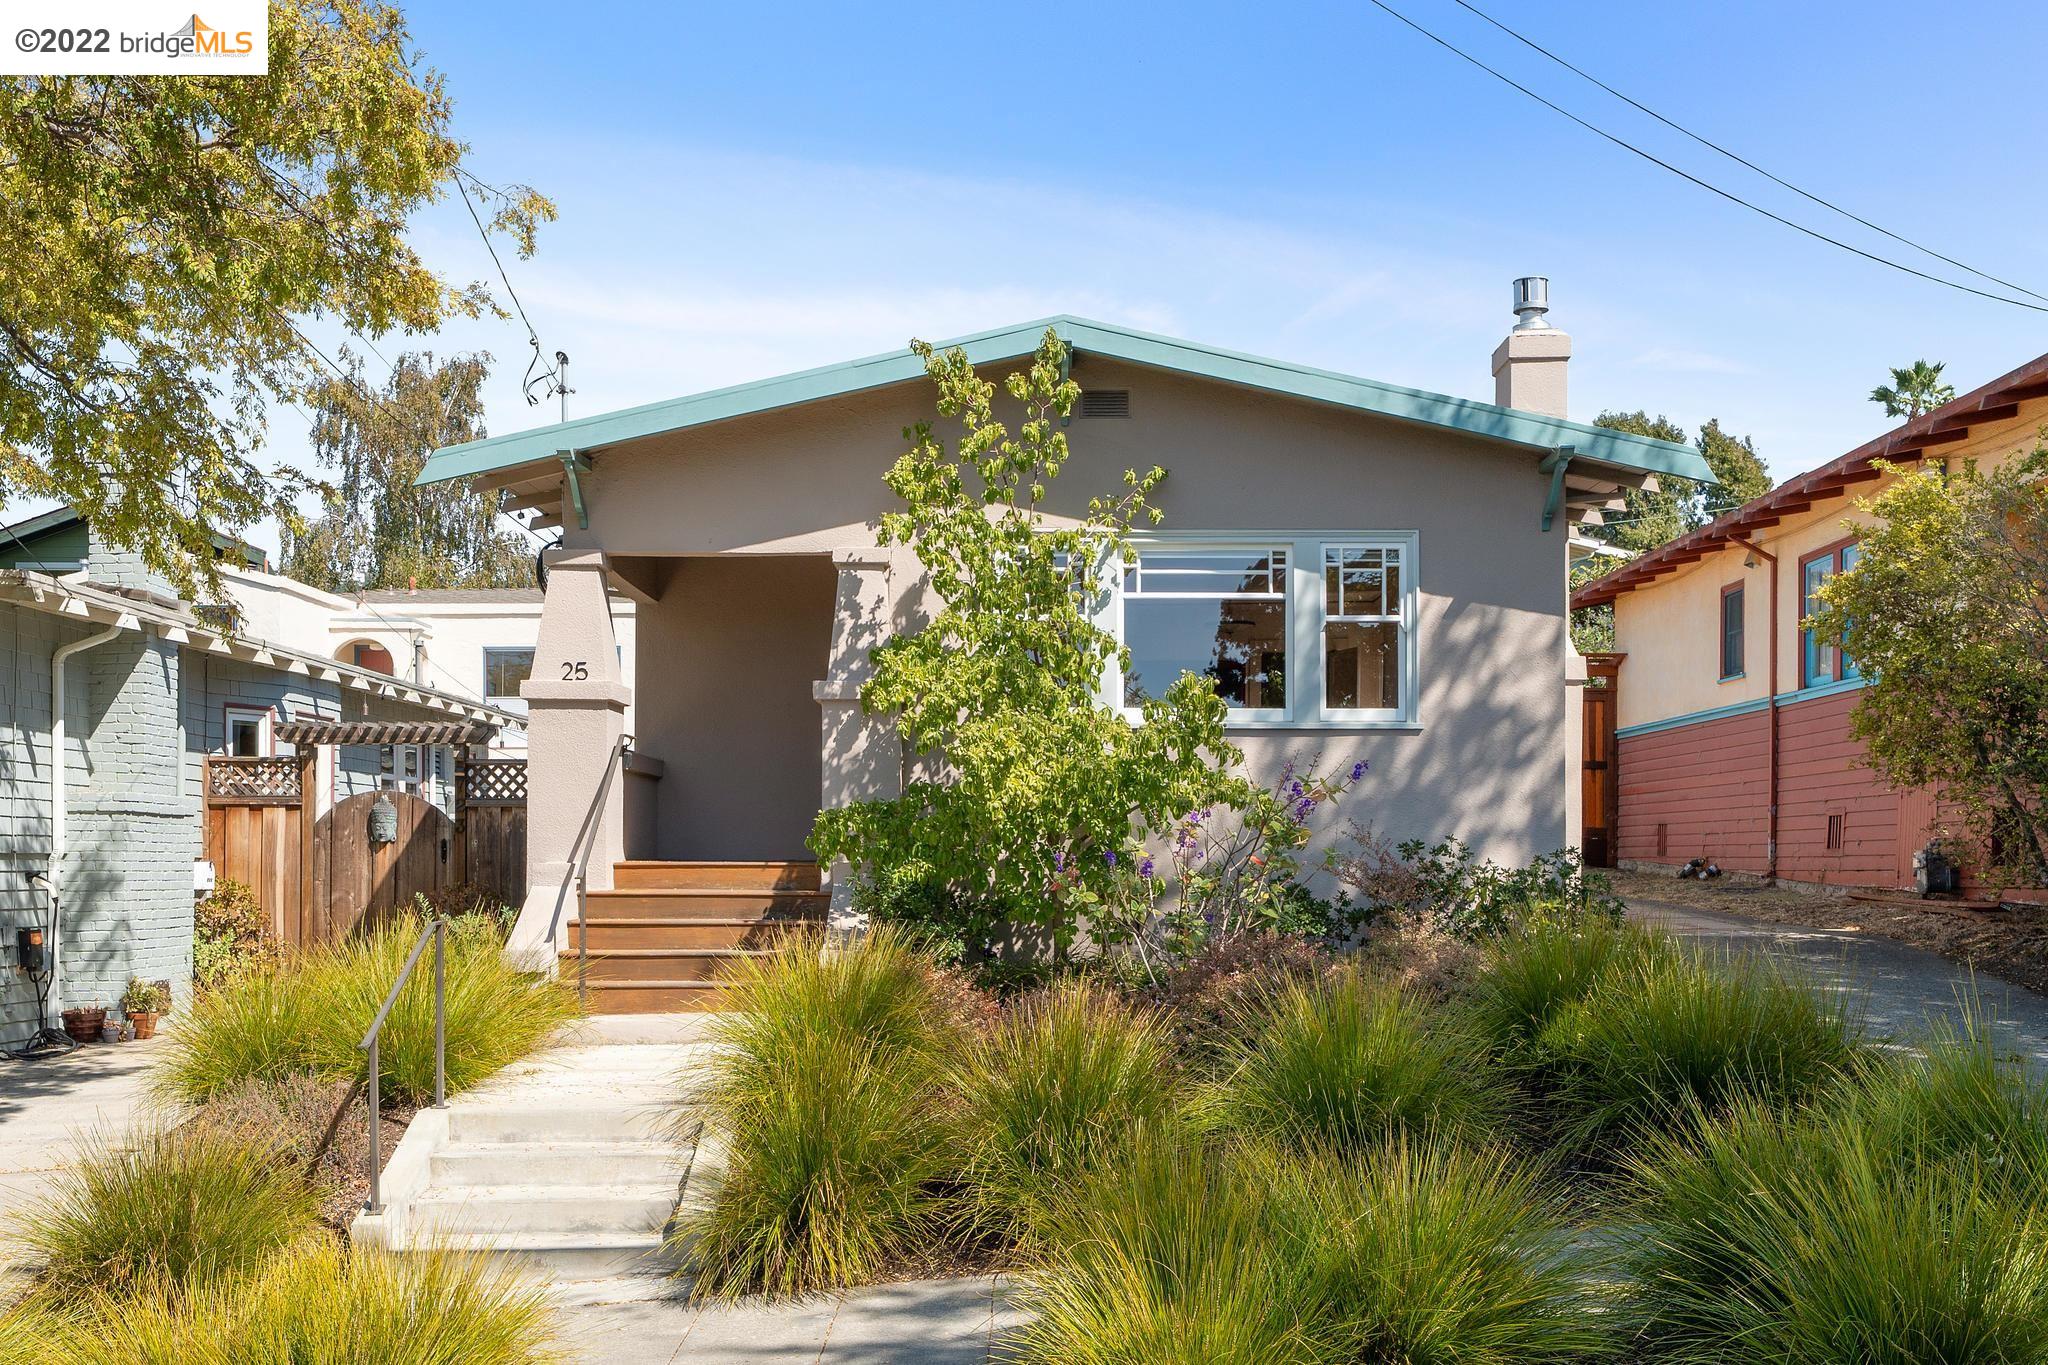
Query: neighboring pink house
(1366, 571)
(1732, 730)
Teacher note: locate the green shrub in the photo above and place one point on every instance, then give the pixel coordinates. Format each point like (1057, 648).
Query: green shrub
(319, 1305)
(1053, 1089)
(1666, 1036)
(230, 936)
(1528, 977)
(1424, 1252)
(307, 1017)
(828, 1089)
(1347, 1059)
(1166, 1255)
(1815, 1240)
(1448, 888)
(180, 1207)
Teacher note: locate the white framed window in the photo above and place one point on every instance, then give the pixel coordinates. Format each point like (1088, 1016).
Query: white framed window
(1365, 637)
(247, 733)
(1297, 629)
(1221, 611)
(505, 668)
(399, 767)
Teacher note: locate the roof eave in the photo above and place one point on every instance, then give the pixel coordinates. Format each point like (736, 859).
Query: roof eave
(1621, 450)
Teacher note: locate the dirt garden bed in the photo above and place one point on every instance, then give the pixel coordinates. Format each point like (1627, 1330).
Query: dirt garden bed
(2010, 944)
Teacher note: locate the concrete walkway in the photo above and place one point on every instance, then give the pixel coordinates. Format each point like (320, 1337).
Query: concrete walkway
(1896, 990)
(921, 1322)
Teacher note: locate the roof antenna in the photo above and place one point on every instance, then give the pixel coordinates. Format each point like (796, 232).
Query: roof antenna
(562, 381)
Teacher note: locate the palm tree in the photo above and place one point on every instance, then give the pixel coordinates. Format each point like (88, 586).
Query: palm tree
(1915, 389)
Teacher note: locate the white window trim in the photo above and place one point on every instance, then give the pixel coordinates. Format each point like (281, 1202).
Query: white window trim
(262, 715)
(1305, 636)
(516, 702)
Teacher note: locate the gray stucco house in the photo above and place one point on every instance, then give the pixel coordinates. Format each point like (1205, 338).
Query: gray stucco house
(112, 694)
(743, 523)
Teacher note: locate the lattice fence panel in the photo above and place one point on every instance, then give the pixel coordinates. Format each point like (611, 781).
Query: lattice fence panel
(497, 782)
(252, 779)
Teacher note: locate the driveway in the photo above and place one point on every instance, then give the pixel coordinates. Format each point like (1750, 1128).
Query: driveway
(1897, 990)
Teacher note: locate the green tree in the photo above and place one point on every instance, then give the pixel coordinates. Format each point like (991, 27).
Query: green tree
(375, 529)
(1946, 614)
(1915, 388)
(1738, 470)
(1652, 516)
(1044, 794)
(169, 238)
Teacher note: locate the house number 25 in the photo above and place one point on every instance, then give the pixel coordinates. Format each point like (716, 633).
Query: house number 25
(575, 670)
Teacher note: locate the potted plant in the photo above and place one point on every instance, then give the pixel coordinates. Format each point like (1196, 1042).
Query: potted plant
(83, 1023)
(142, 1002)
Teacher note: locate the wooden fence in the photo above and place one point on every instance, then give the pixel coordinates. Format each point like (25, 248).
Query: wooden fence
(320, 878)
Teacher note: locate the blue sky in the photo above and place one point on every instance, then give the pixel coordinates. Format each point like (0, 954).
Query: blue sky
(751, 189)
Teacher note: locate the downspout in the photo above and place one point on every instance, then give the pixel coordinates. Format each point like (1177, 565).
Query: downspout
(1771, 692)
(58, 657)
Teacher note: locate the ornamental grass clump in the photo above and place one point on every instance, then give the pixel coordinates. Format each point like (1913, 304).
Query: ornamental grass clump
(1664, 1037)
(307, 1017)
(1816, 1239)
(1167, 1254)
(1425, 1251)
(827, 1087)
(317, 1305)
(1055, 1089)
(1346, 1060)
(1526, 978)
(177, 1208)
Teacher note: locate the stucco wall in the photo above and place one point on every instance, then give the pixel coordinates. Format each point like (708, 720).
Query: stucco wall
(736, 644)
(1485, 761)
(1670, 627)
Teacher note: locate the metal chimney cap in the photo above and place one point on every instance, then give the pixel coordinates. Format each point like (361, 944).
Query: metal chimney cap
(1532, 301)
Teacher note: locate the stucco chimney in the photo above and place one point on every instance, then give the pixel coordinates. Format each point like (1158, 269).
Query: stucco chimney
(1529, 366)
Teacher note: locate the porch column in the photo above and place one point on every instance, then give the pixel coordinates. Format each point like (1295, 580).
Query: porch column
(576, 708)
(863, 757)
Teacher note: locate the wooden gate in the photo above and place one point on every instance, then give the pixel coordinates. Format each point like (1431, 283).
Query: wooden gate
(321, 879)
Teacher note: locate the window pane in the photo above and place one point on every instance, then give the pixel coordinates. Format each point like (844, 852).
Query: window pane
(1820, 653)
(1361, 582)
(1731, 633)
(505, 669)
(1363, 665)
(1239, 643)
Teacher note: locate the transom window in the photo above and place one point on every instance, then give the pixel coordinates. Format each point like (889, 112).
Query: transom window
(248, 732)
(1298, 629)
(1218, 613)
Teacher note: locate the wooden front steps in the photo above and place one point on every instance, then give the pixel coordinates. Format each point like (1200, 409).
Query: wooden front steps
(662, 938)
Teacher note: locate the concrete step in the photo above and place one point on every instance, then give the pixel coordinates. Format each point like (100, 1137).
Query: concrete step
(705, 903)
(656, 964)
(579, 1164)
(724, 876)
(570, 1213)
(588, 1256)
(565, 1121)
(742, 931)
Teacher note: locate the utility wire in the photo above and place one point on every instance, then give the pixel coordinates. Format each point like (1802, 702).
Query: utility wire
(1731, 197)
(551, 374)
(1738, 158)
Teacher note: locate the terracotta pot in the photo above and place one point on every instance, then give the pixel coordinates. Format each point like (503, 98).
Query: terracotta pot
(145, 1023)
(84, 1024)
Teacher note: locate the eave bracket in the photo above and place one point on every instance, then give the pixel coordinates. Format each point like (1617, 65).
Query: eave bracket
(1554, 464)
(574, 466)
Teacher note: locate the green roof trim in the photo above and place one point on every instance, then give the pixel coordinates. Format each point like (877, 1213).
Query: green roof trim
(1591, 444)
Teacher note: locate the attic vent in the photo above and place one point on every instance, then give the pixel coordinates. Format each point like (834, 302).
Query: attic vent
(1106, 403)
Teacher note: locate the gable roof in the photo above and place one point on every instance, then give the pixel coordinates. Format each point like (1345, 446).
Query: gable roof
(17, 541)
(585, 434)
(1997, 401)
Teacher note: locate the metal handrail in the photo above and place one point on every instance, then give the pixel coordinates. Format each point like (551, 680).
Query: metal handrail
(595, 823)
(437, 930)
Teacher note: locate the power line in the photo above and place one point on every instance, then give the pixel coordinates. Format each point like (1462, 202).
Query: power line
(1731, 197)
(1739, 159)
(557, 381)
